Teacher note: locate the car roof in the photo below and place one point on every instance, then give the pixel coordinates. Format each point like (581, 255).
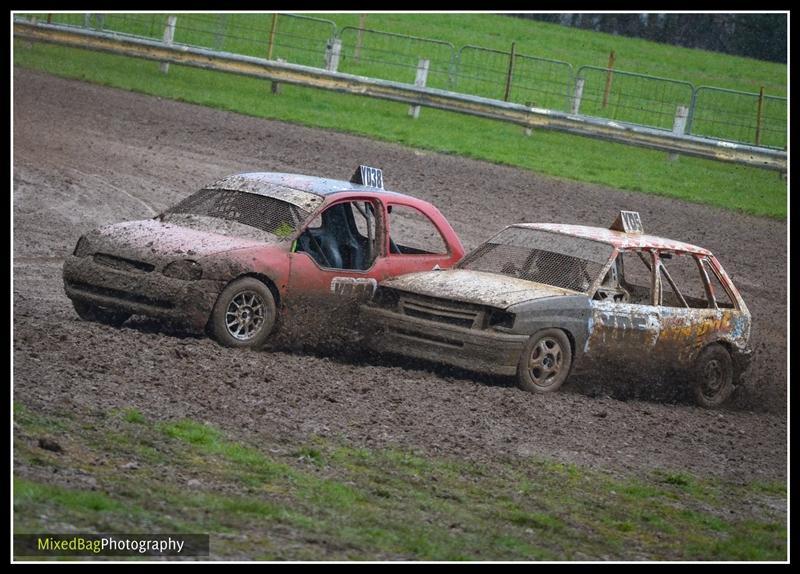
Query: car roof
(619, 239)
(321, 186)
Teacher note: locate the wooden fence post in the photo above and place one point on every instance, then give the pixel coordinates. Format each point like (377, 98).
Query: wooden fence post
(510, 70)
(169, 35)
(612, 57)
(359, 38)
(758, 115)
(272, 35)
(420, 81)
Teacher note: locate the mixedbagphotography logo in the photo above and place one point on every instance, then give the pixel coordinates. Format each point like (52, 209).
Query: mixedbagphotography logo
(81, 544)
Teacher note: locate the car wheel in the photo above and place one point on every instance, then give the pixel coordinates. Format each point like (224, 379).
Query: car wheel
(89, 312)
(712, 376)
(244, 314)
(545, 362)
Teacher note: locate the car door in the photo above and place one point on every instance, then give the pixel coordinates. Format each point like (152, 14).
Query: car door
(690, 316)
(415, 242)
(335, 264)
(624, 325)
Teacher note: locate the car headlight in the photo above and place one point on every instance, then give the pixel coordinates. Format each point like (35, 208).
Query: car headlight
(82, 248)
(498, 318)
(185, 269)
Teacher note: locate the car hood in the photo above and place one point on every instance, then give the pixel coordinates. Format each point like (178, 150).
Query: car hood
(152, 240)
(479, 287)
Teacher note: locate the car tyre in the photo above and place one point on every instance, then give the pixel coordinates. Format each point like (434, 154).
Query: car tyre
(545, 362)
(712, 376)
(89, 312)
(244, 314)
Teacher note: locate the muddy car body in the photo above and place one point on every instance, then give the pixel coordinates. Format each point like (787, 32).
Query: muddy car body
(541, 301)
(257, 251)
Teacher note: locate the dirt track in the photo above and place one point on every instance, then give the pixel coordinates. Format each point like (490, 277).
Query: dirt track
(85, 155)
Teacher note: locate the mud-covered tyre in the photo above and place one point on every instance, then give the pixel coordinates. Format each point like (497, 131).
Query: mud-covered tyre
(89, 312)
(545, 362)
(244, 314)
(712, 376)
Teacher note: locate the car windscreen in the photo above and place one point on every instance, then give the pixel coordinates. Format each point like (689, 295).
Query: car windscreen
(264, 213)
(541, 256)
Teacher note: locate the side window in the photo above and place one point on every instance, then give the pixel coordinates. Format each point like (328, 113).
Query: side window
(412, 232)
(344, 236)
(636, 276)
(721, 295)
(686, 282)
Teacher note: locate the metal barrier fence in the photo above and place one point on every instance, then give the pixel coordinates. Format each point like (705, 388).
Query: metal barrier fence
(395, 57)
(633, 98)
(288, 37)
(630, 97)
(739, 116)
(282, 72)
(513, 77)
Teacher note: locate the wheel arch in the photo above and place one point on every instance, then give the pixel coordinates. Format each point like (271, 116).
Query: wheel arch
(266, 280)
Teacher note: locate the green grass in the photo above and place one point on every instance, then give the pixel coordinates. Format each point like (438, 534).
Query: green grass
(325, 499)
(740, 188)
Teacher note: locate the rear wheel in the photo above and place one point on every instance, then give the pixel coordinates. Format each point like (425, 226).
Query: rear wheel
(244, 314)
(89, 312)
(545, 362)
(712, 376)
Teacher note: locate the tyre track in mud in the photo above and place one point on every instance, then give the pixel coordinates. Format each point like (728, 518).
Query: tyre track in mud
(76, 145)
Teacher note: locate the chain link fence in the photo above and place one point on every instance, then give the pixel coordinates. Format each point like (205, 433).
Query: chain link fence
(518, 78)
(756, 119)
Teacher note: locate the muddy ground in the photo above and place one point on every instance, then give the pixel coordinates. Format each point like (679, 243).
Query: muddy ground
(86, 155)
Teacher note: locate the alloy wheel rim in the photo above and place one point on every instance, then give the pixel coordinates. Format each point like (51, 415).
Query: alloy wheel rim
(245, 315)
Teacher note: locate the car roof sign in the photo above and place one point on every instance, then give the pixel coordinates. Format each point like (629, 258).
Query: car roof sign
(628, 221)
(369, 176)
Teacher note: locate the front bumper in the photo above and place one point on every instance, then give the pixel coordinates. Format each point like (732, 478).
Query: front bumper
(142, 293)
(473, 349)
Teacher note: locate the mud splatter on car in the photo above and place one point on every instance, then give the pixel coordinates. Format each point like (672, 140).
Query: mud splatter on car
(541, 301)
(255, 252)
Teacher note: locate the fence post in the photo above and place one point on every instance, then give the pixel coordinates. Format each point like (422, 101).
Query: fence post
(420, 81)
(612, 57)
(272, 35)
(758, 116)
(510, 70)
(577, 96)
(332, 54)
(679, 125)
(359, 37)
(169, 34)
(275, 87)
(529, 130)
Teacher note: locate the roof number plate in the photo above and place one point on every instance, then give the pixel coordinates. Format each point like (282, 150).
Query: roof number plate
(369, 176)
(629, 222)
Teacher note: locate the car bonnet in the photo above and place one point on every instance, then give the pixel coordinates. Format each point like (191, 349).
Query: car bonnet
(478, 287)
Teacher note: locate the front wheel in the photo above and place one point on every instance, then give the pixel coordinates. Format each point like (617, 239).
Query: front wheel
(89, 312)
(712, 376)
(244, 314)
(545, 362)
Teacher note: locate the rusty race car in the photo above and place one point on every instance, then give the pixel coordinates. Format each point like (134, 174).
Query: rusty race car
(541, 301)
(256, 251)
